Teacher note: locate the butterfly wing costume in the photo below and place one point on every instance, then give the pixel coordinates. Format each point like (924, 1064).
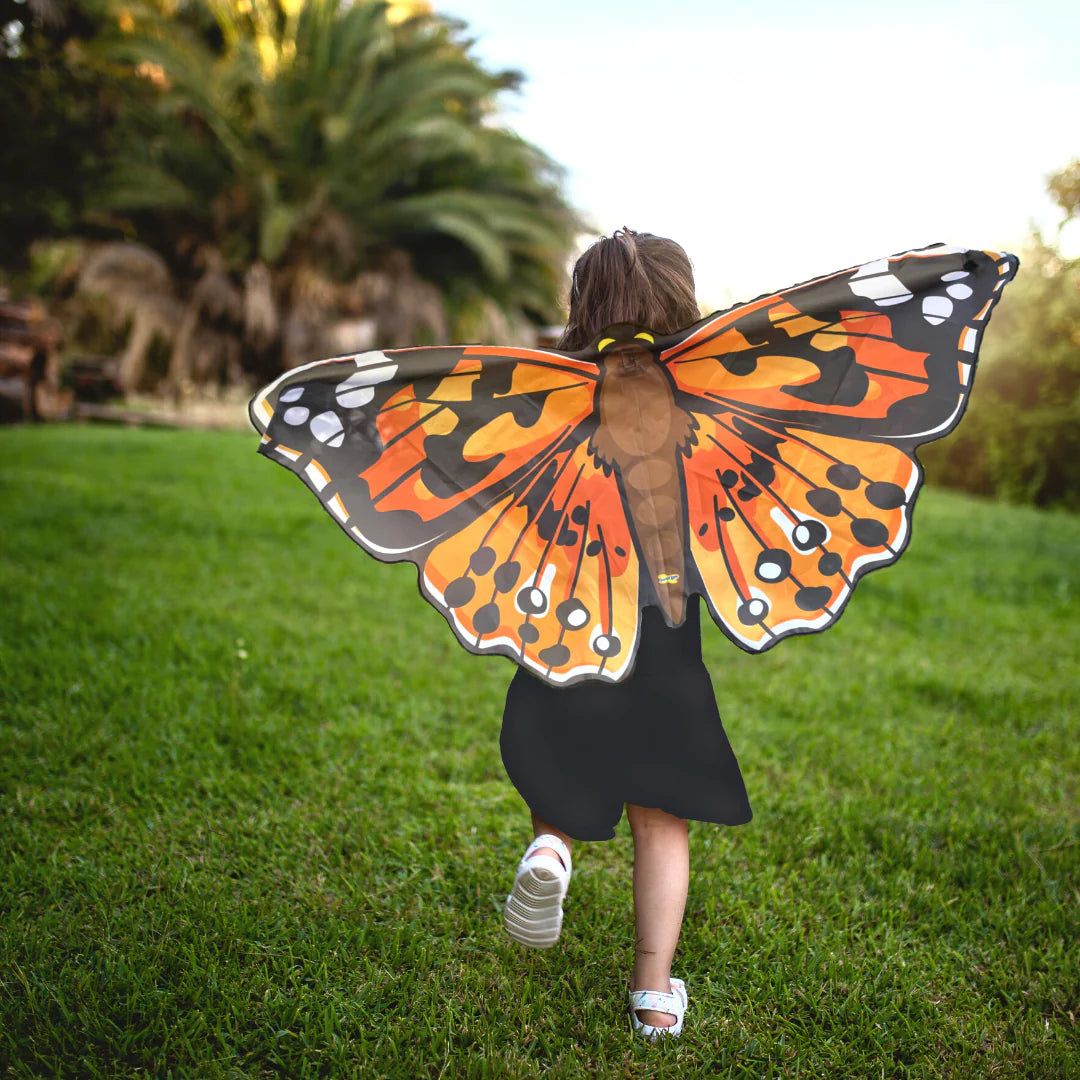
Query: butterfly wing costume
(762, 458)
(568, 510)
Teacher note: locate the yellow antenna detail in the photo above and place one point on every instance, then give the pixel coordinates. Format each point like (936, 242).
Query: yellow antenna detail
(648, 337)
(604, 343)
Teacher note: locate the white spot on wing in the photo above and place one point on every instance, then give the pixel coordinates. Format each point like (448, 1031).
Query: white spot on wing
(325, 426)
(357, 391)
(543, 586)
(789, 526)
(883, 289)
(936, 309)
(877, 266)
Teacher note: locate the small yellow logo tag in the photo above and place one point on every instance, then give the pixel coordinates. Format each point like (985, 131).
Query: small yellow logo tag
(668, 579)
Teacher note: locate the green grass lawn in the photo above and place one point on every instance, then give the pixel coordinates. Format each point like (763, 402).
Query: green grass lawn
(255, 821)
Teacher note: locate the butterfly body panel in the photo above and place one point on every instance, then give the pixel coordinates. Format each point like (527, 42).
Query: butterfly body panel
(763, 457)
(642, 433)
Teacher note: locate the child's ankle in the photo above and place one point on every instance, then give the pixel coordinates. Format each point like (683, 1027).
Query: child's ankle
(641, 980)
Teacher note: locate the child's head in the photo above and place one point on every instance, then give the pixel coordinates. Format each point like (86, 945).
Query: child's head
(630, 277)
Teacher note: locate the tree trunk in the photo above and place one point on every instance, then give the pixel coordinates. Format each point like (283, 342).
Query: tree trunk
(133, 360)
(179, 376)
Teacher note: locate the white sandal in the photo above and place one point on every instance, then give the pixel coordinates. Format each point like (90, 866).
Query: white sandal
(674, 1003)
(533, 912)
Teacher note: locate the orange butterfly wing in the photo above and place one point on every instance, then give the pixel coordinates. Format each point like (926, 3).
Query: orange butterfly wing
(547, 575)
(809, 405)
(777, 548)
(472, 462)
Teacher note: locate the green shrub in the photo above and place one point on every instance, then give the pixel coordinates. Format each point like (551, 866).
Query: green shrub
(1020, 438)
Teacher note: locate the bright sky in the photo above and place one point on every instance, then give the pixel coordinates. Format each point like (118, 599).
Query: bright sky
(780, 141)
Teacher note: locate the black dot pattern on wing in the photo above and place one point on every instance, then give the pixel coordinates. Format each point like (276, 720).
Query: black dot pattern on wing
(504, 575)
(827, 504)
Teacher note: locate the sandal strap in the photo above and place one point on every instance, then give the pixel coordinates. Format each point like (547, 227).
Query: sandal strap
(657, 1001)
(552, 841)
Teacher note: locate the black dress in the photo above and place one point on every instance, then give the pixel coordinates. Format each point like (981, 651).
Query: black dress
(578, 754)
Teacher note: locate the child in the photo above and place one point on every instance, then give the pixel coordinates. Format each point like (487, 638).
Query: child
(654, 741)
(413, 452)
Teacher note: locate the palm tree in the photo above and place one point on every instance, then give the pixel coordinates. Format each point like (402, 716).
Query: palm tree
(293, 161)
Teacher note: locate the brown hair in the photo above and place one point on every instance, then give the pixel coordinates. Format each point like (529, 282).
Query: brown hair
(630, 277)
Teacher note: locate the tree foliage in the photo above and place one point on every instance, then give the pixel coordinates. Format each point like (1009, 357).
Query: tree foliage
(1064, 187)
(58, 123)
(1020, 438)
(292, 161)
(317, 133)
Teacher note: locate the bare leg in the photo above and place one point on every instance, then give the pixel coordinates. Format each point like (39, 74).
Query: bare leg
(661, 880)
(539, 828)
